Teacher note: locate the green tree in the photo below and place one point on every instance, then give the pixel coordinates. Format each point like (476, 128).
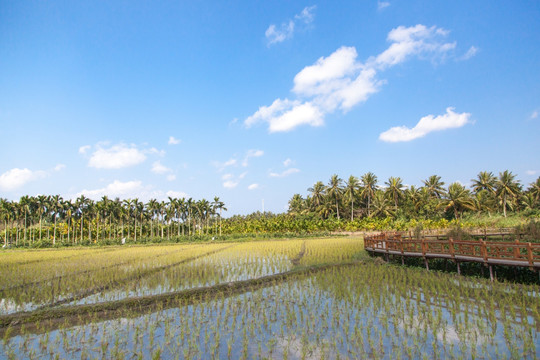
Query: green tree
(507, 188)
(394, 189)
(351, 188)
(458, 198)
(369, 186)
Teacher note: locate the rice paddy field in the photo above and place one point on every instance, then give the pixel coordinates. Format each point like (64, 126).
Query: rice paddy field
(311, 298)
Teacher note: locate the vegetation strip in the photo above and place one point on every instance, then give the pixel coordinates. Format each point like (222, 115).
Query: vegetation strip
(60, 277)
(296, 260)
(146, 303)
(128, 279)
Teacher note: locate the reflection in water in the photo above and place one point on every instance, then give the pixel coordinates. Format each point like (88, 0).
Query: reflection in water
(361, 311)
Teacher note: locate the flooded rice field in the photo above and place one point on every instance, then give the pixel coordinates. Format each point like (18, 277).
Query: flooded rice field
(331, 301)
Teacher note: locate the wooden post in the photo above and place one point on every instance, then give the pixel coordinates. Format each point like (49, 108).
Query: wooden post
(516, 250)
(458, 268)
(530, 255)
(491, 273)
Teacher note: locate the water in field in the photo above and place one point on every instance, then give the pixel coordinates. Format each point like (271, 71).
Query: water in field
(361, 311)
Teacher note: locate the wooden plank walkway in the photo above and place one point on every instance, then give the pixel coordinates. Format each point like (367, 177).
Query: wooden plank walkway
(522, 254)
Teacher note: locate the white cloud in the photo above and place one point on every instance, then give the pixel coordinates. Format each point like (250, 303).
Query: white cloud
(426, 125)
(415, 40)
(531, 172)
(253, 186)
(285, 173)
(382, 5)
(288, 162)
(307, 14)
(171, 177)
(123, 190)
(340, 81)
(227, 176)
(534, 115)
(230, 184)
(59, 167)
(473, 50)
(84, 149)
(159, 168)
(275, 34)
(177, 194)
(130, 190)
(251, 154)
(117, 156)
(173, 141)
(16, 178)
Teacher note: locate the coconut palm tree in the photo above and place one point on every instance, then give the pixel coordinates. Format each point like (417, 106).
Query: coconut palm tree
(369, 186)
(296, 204)
(382, 206)
(459, 199)
(484, 181)
(507, 188)
(351, 187)
(394, 189)
(534, 190)
(317, 193)
(335, 190)
(434, 186)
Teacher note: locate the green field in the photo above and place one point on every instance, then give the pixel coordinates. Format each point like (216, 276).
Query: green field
(298, 299)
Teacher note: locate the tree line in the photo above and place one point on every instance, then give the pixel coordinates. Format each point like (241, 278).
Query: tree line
(366, 197)
(51, 218)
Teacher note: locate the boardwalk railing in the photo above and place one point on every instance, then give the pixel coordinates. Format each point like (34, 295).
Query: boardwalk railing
(515, 253)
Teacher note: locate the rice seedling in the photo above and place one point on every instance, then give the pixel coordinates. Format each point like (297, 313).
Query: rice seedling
(350, 309)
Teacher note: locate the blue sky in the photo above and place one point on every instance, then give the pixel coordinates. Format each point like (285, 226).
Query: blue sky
(253, 100)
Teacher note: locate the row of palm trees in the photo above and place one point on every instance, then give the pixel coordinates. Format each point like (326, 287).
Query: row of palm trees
(365, 197)
(34, 217)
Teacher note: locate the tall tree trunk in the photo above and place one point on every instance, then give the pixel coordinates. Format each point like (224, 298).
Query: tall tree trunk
(54, 231)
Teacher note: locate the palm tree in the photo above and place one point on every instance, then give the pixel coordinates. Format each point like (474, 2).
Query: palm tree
(381, 206)
(351, 187)
(219, 205)
(484, 181)
(394, 189)
(369, 184)
(334, 189)
(484, 201)
(506, 188)
(459, 198)
(434, 185)
(5, 214)
(82, 204)
(42, 206)
(534, 189)
(55, 208)
(26, 203)
(317, 193)
(296, 204)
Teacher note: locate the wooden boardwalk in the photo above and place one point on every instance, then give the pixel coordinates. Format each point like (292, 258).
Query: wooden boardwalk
(517, 253)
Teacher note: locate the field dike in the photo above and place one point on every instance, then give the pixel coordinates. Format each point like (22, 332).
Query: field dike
(45, 320)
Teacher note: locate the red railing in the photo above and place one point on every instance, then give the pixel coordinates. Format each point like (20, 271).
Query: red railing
(505, 253)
